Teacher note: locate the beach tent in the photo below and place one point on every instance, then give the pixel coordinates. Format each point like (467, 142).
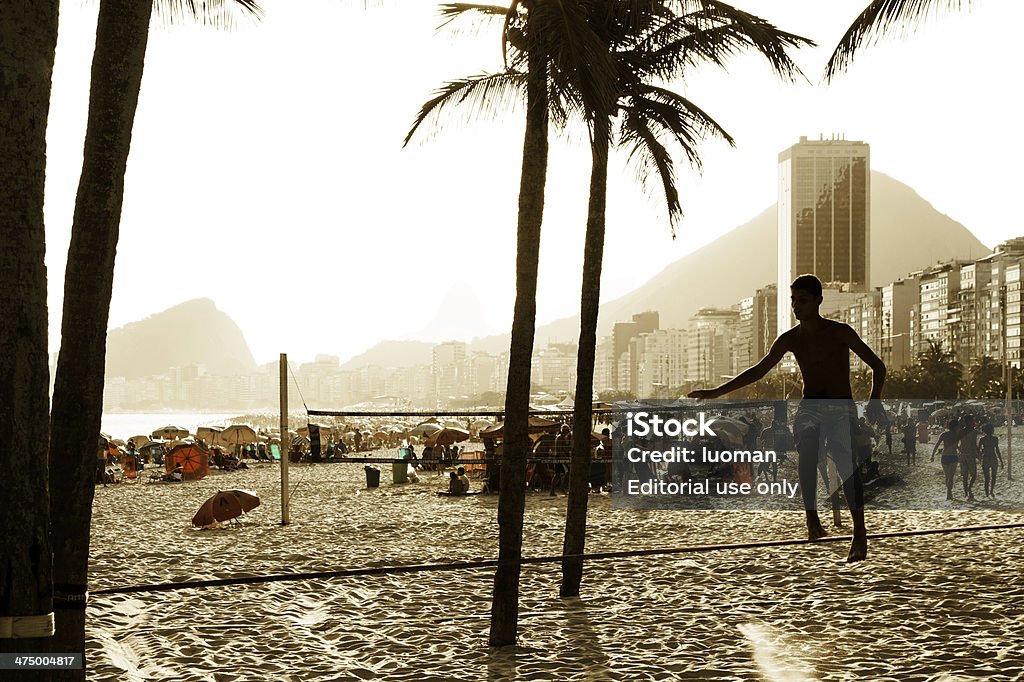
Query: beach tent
(194, 461)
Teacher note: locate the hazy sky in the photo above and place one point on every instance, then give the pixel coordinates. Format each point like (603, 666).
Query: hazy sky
(267, 171)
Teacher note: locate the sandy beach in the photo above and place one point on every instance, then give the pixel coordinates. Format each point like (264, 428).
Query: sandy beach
(940, 607)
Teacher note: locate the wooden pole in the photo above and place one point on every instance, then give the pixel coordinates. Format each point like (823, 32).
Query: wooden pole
(1009, 423)
(284, 438)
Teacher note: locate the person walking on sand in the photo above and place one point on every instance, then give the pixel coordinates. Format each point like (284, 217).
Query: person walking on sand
(969, 455)
(826, 413)
(948, 443)
(910, 442)
(990, 455)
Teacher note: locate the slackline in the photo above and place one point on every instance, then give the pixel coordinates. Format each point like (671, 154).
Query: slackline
(492, 563)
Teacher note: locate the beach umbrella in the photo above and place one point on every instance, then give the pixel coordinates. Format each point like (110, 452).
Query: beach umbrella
(381, 435)
(225, 505)
(447, 436)
(193, 460)
(536, 425)
(169, 432)
(480, 424)
(209, 434)
(424, 429)
(141, 441)
(730, 431)
(237, 434)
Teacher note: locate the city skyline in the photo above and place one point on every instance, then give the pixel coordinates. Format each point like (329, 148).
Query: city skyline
(971, 308)
(242, 151)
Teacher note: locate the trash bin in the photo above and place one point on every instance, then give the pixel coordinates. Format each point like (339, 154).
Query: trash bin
(372, 477)
(400, 472)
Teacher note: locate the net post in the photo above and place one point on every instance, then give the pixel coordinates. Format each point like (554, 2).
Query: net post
(284, 438)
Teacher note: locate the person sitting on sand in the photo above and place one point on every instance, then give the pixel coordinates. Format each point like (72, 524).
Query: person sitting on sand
(455, 485)
(463, 479)
(826, 413)
(177, 474)
(989, 446)
(948, 443)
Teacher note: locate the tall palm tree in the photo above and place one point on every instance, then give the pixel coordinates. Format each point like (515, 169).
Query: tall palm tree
(121, 38)
(28, 40)
(879, 17)
(650, 42)
(548, 43)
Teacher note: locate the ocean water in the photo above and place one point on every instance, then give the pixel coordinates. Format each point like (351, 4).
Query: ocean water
(126, 425)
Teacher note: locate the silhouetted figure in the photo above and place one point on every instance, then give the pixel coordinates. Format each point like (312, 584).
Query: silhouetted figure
(948, 442)
(826, 414)
(990, 457)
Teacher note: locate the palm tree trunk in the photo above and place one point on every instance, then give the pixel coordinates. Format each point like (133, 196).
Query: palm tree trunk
(121, 37)
(28, 39)
(512, 498)
(590, 300)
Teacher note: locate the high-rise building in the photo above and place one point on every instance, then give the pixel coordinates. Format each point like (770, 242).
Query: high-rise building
(824, 217)
(622, 334)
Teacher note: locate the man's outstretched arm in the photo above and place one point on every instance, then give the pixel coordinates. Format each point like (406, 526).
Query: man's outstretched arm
(871, 360)
(747, 376)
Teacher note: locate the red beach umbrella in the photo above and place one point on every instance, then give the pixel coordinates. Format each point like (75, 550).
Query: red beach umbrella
(193, 460)
(225, 505)
(447, 436)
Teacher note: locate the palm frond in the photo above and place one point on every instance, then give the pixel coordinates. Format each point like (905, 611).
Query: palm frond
(480, 15)
(485, 95)
(878, 18)
(652, 160)
(681, 117)
(567, 36)
(217, 13)
(715, 33)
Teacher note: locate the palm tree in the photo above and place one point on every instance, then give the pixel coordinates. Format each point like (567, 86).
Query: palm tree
(548, 46)
(121, 37)
(939, 374)
(28, 40)
(985, 379)
(879, 17)
(650, 42)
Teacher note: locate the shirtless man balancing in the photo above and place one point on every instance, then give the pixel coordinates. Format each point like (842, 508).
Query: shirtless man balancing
(821, 347)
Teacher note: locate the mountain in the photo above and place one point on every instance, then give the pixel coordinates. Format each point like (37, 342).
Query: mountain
(460, 315)
(393, 354)
(191, 332)
(907, 234)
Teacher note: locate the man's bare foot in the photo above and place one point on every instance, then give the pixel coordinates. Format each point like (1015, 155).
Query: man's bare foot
(858, 549)
(815, 531)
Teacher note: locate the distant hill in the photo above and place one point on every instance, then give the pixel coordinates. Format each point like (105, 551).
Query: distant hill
(394, 354)
(191, 332)
(907, 234)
